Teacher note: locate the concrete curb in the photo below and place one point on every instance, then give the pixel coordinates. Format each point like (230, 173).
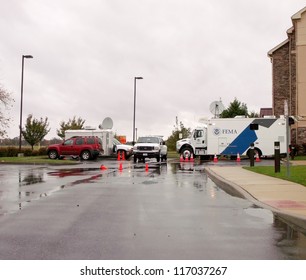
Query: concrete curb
(297, 222)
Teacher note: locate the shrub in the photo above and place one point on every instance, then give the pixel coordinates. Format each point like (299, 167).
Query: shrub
(27, 152)
(42, 151)
(12, 152)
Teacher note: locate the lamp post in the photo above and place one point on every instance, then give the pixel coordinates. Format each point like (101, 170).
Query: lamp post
(135, 78)
(20, 124)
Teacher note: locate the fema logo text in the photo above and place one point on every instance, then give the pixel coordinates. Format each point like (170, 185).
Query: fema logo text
(218, 131)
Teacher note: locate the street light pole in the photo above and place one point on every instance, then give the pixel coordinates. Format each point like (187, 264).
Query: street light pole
(134, 129)
(21, 101)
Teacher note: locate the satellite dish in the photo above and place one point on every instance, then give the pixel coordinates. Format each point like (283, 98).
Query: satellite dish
(106, 124)
(216, 108)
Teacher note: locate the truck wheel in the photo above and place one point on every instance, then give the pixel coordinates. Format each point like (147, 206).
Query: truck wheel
(53, 154)
(85, 155)
(186, 152)
(256, 152)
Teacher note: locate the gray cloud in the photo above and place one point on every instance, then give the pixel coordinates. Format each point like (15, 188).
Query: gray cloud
(190, 53)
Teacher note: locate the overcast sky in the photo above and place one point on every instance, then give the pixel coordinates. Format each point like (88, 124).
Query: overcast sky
(189, 53)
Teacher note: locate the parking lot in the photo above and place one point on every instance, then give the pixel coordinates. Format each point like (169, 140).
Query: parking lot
(109, 209)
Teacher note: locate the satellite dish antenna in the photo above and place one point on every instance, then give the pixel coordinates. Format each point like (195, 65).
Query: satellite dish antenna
(106, 124)
(216, 108)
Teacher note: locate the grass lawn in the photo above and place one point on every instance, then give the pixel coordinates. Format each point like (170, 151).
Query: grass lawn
(35, 160)
(297, 173)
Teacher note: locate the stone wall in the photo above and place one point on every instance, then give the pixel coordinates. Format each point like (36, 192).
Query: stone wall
(280, 80)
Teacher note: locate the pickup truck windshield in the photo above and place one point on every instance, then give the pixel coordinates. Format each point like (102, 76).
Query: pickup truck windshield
(148, 140)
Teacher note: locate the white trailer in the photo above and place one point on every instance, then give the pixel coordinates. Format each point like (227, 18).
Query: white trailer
(111, 146)
(234, 136)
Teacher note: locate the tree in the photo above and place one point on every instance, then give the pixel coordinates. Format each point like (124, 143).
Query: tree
(5, 100)
(175, 136)
(71, 124)
(236, 108)
(35, 130)
(253, 114)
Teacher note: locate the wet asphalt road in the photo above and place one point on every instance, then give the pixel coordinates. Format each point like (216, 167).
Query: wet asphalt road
(171, 211)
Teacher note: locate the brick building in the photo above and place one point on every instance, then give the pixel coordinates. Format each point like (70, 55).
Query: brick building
(289, 76)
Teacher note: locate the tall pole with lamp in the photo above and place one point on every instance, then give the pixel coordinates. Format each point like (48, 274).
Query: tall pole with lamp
(21, 100)
(134, 115)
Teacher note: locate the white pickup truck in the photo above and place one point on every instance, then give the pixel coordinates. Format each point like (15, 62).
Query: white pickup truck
(150, 147)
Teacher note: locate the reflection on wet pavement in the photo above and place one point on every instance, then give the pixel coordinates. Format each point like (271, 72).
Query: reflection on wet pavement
(21, 185)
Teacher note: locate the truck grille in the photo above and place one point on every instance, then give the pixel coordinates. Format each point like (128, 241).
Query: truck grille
(145, 148)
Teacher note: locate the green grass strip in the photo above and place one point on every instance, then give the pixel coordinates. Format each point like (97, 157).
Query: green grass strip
(297, 174)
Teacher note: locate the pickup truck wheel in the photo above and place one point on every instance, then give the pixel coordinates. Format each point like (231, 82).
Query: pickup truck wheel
(53, 154)
(85, 155)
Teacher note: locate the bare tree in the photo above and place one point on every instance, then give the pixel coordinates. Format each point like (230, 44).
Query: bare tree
(5, 101)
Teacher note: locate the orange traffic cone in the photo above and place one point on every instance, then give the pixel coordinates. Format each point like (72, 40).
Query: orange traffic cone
(191, 157)
(119, 156)
(102, 167)
(257, 158)
(238, 158)
(215, 158)
(147, 167)
(123, 156)
(120, 167)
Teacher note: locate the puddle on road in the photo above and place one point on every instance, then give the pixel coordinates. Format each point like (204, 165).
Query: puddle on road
(24, 185)
(292, 242)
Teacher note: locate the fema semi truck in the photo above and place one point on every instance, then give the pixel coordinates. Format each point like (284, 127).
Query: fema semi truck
(233, 136)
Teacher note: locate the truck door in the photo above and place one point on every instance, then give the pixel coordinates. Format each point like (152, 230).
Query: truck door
(66, 147)
(199, 141)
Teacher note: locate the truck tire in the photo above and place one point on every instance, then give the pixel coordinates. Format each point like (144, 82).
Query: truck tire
(186, 152)
(256, 152)
(85, 155)
(52, 154)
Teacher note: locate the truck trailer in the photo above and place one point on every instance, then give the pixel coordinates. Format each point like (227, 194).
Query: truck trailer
(233, 136)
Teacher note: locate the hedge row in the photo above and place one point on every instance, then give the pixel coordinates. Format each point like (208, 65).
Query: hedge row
(14, 151)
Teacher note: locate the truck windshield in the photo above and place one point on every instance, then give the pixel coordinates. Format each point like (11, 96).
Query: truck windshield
(148, 140)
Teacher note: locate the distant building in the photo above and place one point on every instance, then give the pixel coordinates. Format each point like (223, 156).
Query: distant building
(289, 76)
(265, 112)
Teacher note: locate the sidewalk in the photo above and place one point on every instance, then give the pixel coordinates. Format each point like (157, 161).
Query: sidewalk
(286, 199)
